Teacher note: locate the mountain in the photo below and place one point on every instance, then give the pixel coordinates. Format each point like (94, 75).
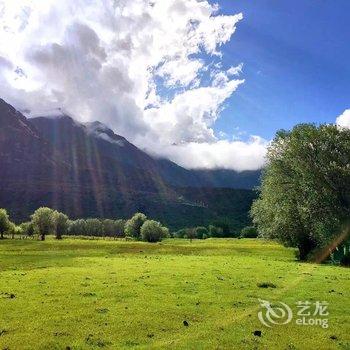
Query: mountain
(86, 170)
(212, 178)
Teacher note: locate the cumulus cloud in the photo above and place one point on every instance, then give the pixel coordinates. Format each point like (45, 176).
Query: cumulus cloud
(137, 66)
(344, 119)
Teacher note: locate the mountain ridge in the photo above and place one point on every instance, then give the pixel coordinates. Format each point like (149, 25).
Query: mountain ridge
(86, 170)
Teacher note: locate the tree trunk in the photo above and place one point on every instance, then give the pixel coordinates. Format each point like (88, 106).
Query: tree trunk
(306, 246)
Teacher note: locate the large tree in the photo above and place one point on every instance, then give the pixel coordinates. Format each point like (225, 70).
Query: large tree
(44, 222)
(133, 226)
(305, 193)
(152, 231)
(61, 221)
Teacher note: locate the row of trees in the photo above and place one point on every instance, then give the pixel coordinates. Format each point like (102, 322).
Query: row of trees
(46, 221)
(202, 232)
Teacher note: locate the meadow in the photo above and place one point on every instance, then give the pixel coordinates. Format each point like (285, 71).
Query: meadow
(105, 294)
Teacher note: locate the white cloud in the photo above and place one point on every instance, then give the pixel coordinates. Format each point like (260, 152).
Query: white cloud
(219, 154)
(117, 61)
(344, 119)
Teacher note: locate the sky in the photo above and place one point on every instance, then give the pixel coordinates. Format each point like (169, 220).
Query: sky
(296, 58)
(205, 84)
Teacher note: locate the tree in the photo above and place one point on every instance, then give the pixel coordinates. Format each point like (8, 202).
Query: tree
(14, 230)
(133, 226)
(61, 221)
(215, 231)
(77, 227)
(108, 227)
(44, 222)
(94, 227)
(119, 226)
(305, 193)
(152, 231)
(27, 229)
(224, 225)
(190, 234)
(201, 232)
(181, 233)
(4, 222)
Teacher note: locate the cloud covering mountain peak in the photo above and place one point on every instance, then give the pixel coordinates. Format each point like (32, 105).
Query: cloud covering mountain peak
(143, 67)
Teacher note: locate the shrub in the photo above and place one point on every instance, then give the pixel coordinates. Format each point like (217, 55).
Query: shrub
(133, 226)
(152, 231)
(266, 285)
(200, 232)
(44, 223)
(249, 232)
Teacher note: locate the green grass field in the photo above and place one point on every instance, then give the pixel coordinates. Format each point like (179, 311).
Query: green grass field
(100, 294)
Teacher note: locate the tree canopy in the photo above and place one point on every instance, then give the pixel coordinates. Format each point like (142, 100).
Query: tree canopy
(305, 193)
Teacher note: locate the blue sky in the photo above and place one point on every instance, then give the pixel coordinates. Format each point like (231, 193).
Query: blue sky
(296, 57)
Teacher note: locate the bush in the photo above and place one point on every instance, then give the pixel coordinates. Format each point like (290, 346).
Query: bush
(133, 226)
(200, 232)
(249, 232)
(266, 285)
(152, 231)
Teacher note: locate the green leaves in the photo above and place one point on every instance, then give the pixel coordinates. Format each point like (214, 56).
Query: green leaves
(305, 194)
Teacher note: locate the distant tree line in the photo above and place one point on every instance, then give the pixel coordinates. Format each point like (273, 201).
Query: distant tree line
(46, 221)
(212, 231)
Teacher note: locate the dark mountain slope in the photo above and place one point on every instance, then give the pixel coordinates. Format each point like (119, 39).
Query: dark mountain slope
(86, 170)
